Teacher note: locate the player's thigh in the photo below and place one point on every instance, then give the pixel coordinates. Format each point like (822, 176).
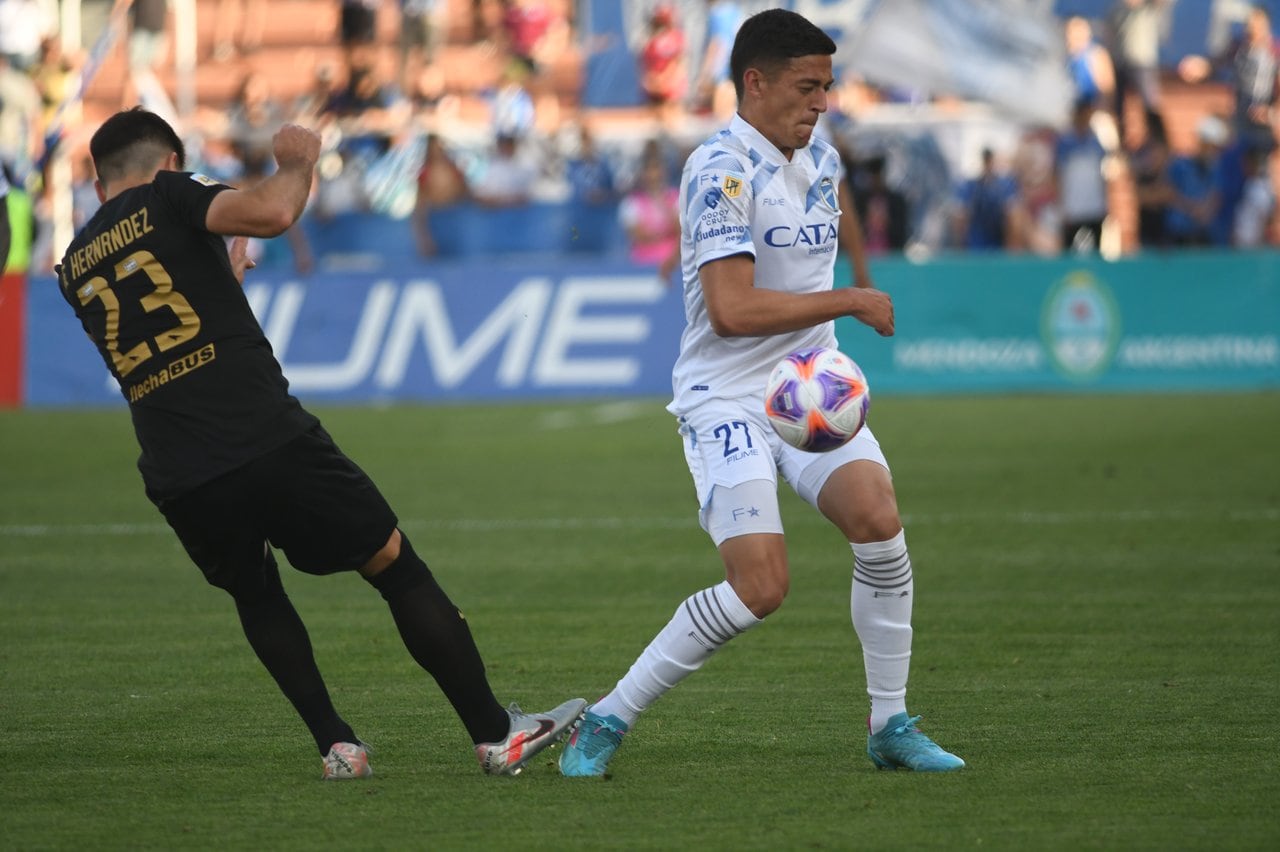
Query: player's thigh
(850, 485)
(328, 515)
(221, 527)
(725, 445)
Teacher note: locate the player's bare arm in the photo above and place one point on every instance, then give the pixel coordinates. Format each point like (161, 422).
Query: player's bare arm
(737, 308)
(850, 236)
(269, 208)
(238, 252)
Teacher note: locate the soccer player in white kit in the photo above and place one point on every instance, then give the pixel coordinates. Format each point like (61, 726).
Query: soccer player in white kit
(759, 221)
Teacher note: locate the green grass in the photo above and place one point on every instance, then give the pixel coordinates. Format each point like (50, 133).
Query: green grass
(1097, 634)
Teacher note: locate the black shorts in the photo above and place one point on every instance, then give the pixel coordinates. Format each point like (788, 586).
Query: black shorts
(305, 498)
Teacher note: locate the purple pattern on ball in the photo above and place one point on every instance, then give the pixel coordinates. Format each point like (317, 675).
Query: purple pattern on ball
(785, 402)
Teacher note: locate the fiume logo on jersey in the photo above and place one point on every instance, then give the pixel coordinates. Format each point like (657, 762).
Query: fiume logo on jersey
(1080, 324)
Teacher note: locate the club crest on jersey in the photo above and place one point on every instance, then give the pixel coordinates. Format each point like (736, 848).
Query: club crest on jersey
(732, 185)
(204, 179)
(827, 191)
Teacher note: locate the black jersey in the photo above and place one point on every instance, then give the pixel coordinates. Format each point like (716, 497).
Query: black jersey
(155, 291)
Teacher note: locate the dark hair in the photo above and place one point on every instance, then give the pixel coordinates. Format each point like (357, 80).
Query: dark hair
(133, 141)
(769, 39)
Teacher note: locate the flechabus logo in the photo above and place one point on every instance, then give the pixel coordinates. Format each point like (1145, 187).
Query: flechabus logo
(1080, 325)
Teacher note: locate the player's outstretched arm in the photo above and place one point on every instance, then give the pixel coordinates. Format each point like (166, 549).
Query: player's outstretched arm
(269, 208)
(737, 308)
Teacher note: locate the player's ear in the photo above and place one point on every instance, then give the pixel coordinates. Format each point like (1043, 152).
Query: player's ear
(172, 163)
(101, 193)
(752, 82)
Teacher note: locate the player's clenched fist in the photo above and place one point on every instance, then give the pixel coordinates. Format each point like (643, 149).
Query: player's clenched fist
(873, 308)
(296, 146)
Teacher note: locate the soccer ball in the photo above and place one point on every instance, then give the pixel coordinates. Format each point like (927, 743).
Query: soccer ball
(817, 399)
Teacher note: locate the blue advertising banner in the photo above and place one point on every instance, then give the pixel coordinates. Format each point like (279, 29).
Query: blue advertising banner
(576, 328)
(455, 332)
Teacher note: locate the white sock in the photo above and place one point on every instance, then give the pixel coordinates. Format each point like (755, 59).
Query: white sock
(881, 608)
(704, 622)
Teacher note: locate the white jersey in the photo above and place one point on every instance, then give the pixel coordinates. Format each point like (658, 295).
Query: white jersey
(741, 196)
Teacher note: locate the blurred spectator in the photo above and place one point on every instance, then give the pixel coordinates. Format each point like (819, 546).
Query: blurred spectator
(441, 183)
(308, 106)
(366, 110)
(421, 22)
(535, 34)
(146, 47)
(1039, 228)
(1250, 64)
(238, 27)
(591, 179)
(20, 114)
(1137, 29)
(1195, 181)
(84, 195)
(23, 25)
(427, 93)
(254, 118)
(650, 215)
(1094, 77)
(340, 186)
(357, 28)
(713, 90)
(147, 40)
(881, 210)
(511, 106)
(1089, 64)
(663, 75)
(526, 25)
(1256, 211)
(55, 78)
(1082, 186)
(986, 208)
(1149, 167)
(506, 178)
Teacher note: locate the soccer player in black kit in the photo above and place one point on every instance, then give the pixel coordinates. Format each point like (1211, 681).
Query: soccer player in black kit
(235, 464)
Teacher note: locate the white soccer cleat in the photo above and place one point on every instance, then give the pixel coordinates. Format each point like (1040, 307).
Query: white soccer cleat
(346, 761)
(529, 734)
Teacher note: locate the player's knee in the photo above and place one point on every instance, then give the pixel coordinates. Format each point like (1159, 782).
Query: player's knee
(762, 592)
(404, 573)
(766, 599)
(881, 523)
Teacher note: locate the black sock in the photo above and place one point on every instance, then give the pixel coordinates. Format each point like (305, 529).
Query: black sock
(280, 640)
(438, 638)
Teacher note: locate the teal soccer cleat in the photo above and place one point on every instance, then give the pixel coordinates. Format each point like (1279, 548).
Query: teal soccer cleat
(900, 744)
(592, 743)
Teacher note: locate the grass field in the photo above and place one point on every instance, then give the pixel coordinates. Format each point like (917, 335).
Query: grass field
(1097, 634)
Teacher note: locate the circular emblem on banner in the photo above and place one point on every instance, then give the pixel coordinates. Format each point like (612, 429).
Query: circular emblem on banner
(1080, 324)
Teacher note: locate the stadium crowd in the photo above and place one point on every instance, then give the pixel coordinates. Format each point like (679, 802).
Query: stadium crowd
(402, 139)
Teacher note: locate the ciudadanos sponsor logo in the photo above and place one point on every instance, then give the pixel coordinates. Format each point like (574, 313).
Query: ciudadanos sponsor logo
(817, 238)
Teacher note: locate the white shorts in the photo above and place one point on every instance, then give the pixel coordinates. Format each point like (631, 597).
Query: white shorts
(729, 442)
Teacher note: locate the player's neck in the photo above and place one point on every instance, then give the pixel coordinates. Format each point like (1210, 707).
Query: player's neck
(111, 190)
(759, 126)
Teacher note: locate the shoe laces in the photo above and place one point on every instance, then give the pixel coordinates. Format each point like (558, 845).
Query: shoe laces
(908, 734)
(596, 735)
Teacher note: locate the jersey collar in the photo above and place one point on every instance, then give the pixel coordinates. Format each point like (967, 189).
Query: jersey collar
(755, 140)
